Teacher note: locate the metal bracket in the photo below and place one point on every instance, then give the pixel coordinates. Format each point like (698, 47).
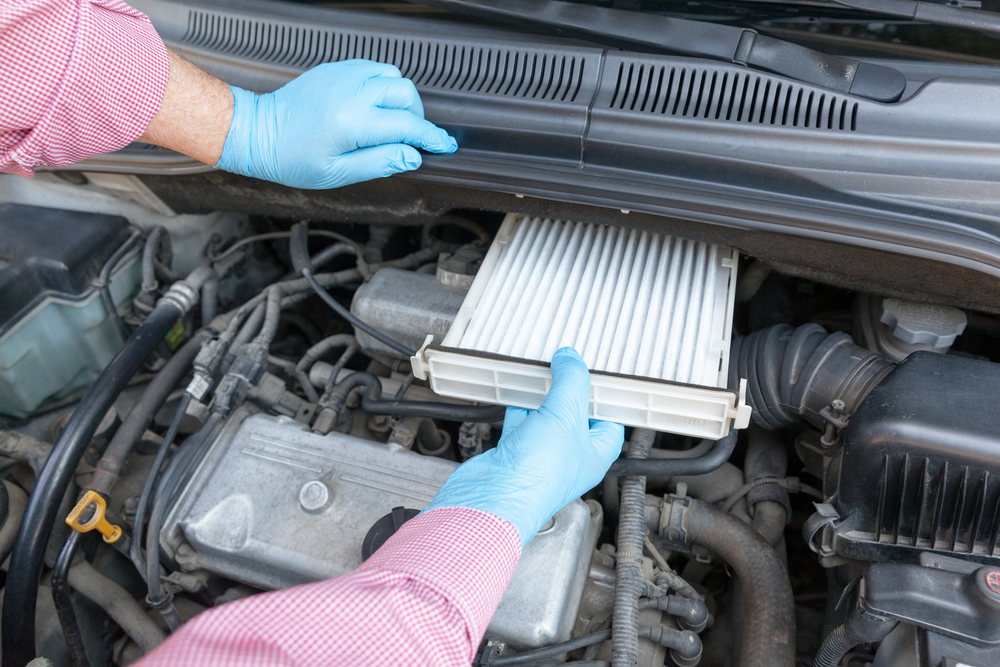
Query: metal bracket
(672, 511)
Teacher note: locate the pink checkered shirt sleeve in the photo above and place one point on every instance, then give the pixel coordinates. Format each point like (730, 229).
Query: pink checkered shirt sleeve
(424, 598)
(79, 78)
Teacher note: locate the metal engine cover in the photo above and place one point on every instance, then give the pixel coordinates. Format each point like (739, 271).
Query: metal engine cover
(274, 506)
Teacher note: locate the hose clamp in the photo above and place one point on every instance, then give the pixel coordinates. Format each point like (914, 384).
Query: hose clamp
(672, 512)
(180, 295)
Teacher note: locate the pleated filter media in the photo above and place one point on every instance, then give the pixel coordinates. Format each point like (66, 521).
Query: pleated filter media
(650, 314)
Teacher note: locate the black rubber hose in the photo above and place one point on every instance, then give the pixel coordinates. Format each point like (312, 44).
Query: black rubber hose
(534, 655)
(168, 490)
(371, 403)
(793, 374)
(769, 615)
(629, 580)
(115, 457)
(700, 465)
(64, 604)
(135, 548)
(18, 625)
(4, 504)
(859, 628)
(768, 504)
(104, 281)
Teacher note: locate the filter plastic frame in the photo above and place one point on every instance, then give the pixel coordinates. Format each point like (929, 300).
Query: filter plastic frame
(656, 403)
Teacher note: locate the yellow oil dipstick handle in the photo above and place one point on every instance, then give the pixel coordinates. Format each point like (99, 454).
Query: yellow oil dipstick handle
(110, 532)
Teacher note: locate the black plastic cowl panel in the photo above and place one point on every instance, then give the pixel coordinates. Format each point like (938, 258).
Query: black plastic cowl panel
(920, 468)
(523, 99)
(703, 140)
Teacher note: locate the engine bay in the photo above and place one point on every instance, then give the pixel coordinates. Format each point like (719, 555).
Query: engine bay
(847, 514)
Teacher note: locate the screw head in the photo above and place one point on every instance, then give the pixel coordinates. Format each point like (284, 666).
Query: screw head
(314, 496)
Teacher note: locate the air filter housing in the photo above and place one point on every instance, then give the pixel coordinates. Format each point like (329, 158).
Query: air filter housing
(651, 316)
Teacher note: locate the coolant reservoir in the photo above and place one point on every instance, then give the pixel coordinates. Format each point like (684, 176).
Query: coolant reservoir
(56, 335)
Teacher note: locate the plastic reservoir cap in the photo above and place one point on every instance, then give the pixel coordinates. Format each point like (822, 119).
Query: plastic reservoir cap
(924, 323)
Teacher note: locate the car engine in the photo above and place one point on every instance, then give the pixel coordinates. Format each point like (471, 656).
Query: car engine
(272, 431)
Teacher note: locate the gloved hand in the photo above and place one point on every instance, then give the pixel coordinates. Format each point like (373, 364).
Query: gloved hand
(337, 124)
(545, 458)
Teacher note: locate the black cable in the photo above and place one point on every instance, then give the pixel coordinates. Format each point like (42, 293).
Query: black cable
(298, 249)
(135, 549)
(172, 483)
(699, 465)
(371, 403)
(141, 415)
(4, 504)
(552, 650)
(64, 604)
(104, 281)
(591, 652)
(347, 315)
(21, 595)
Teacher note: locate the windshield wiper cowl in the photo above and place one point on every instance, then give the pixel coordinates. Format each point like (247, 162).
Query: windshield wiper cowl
(693, 38)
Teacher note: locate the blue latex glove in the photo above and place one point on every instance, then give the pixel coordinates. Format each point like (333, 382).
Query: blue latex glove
(337, 124)
(545, 458)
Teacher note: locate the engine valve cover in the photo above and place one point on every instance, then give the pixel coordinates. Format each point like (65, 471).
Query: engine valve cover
(274, 506)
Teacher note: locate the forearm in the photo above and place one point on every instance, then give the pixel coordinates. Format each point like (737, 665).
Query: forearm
(416, 602)
(194, 115)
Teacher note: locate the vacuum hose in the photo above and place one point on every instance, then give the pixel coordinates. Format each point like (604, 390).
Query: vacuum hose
(21, 594)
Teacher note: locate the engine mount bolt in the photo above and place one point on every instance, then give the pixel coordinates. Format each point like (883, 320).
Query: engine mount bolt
(314, 496)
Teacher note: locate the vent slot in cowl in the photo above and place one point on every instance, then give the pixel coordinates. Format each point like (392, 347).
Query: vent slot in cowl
(431, 63)
(728, 94)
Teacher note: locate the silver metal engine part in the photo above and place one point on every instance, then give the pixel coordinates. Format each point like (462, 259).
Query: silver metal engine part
(273, 505)
(406, 306)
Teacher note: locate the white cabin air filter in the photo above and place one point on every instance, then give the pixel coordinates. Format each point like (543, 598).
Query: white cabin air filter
(650, 314)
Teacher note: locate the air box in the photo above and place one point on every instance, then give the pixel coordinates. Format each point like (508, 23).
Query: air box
(650, 314)
(920, 470)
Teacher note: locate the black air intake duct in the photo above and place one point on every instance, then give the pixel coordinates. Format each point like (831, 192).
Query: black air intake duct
(794, 374)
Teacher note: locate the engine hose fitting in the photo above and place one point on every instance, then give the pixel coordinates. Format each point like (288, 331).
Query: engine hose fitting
(690, 613)
(684, 645)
